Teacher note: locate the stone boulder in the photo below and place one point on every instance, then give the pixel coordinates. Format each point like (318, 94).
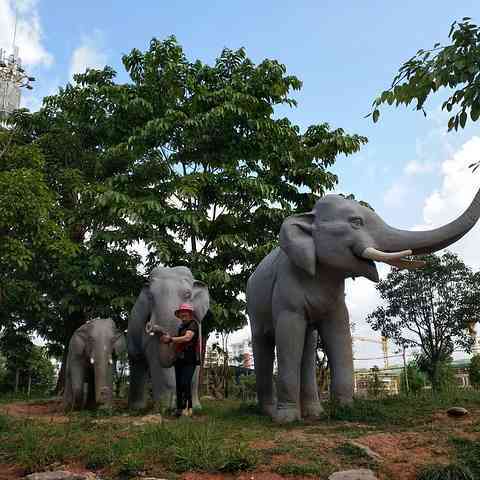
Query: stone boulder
(457, 411)
(360, 474)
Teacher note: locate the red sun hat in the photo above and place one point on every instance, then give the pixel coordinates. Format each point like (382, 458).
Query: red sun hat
(184, 307)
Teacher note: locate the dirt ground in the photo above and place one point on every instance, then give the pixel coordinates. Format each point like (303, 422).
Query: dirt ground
(400, 452)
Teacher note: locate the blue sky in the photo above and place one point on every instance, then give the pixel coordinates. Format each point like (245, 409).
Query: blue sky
(344, 52)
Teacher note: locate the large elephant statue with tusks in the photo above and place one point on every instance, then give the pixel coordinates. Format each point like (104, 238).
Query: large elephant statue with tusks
(152, 316)
(298, 292)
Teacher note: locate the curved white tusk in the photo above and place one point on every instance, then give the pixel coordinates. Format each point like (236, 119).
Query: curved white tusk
(92, 361)
(379, 256)
(110, 361)
(407, 264)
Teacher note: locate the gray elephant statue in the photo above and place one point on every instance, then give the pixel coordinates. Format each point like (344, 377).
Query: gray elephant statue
(152, 315)
(298, 292)
(92, 351)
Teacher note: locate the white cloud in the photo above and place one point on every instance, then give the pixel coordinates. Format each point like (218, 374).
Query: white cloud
(416, 168)
(459, 186)
(394, 197)
(29, 32)
(89, 54)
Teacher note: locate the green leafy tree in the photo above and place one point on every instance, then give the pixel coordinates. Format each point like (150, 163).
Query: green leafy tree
(474, 371)
(454, 67)
(416, 379)
(231, 170)
(426, 309)
(185, 157)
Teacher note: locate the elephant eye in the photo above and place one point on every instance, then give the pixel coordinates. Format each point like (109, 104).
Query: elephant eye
(356, 221)
(187, 294)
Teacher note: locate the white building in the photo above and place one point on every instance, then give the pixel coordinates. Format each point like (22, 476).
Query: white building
(241, 353)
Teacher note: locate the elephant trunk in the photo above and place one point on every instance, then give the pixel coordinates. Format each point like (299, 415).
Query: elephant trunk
(164, 320)
(425, 242)
(103, 365)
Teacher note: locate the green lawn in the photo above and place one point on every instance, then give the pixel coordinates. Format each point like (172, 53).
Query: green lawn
(229, 437)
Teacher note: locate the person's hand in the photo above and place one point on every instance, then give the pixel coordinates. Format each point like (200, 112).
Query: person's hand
(166, 338)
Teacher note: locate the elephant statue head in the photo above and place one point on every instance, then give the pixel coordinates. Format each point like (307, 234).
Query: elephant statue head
(93, 350)
(168, 289)
(348, 237)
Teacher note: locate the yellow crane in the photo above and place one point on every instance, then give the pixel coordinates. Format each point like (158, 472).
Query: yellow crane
(383, 342)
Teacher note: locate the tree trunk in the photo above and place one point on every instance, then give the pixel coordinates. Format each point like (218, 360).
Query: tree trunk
(60, 386)
(17, 380)
(29, 387)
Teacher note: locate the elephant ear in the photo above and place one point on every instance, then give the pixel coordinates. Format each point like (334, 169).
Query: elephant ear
(200, 299)
(296, 240)
(81, 337)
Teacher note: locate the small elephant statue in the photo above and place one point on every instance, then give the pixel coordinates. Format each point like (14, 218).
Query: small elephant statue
(92, 351)
(298, 292)
(152, 315)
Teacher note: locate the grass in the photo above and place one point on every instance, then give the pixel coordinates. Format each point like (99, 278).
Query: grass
(226, 437)
(314, 469)
(445, 472)
(400, 411)
(354, 455)
(468, 453)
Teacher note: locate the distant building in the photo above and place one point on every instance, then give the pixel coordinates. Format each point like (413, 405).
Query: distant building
(241, 353)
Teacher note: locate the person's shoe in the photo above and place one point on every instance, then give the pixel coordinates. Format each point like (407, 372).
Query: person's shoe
(185, 412)
(189, 412)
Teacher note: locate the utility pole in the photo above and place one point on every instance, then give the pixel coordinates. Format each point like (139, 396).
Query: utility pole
(12, 79)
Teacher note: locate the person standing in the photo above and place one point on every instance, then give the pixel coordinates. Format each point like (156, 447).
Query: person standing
(187, 357)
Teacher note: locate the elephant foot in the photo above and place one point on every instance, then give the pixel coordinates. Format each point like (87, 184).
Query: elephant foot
(137, 405)
(268, 409)
(312, 409)
(342, 399)
(287, 413)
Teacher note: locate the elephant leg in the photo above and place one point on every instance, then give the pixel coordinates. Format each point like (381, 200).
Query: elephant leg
(263, 352)
(290, 340)
(136, 391)
(195, 385)
(337, 339)
(309, 399)
(91, 402)
(77, 377)
(163, 386)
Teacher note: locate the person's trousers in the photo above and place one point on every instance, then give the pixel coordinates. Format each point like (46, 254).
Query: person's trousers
(183, 377)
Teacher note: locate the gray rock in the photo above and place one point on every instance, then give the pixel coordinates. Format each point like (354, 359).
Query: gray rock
(59, 475)
(457, 411)
(360, 474)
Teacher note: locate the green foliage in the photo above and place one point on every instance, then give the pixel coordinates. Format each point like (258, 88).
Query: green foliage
(452, 67)
(474, 371)
(375, 385)
(31, 362)
(185, 157)
(445, 472)
(468, 453)
(416, 379)
(428, 309)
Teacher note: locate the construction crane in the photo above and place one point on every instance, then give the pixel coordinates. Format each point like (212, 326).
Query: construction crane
(383, 342)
